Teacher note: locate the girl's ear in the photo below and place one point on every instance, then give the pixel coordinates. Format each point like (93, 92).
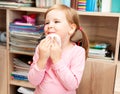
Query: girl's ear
(73, 28)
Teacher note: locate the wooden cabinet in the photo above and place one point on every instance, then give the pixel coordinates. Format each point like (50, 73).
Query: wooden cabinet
(3, 70)
(117, 81)
(103, 27)
(13, 84)
(3, 54)
(98, 78)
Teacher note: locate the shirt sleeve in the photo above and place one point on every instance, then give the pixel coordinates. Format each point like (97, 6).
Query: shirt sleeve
(35, 75)
(70, 77)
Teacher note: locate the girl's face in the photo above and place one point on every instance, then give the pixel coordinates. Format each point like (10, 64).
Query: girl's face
(57, 23)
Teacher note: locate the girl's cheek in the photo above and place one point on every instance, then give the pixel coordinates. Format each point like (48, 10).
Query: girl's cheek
(45, 29)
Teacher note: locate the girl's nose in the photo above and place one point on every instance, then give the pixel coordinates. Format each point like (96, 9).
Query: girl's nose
(51, 25)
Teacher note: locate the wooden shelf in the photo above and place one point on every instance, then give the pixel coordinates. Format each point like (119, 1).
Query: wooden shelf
(21, 83)
(104, 27)
(105, 14)
(30, 9)
(21, 52)
(35, 9)
(100, 60)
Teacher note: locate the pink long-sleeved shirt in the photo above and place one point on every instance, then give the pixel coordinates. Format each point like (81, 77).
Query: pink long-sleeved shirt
(60, 78)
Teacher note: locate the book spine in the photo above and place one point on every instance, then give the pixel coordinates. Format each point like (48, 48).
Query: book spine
(106, 6)
(81, 5)
(49, 3)
(72, 4)
(66, 2)
(90, 5)
(40, 3)
(115, 6)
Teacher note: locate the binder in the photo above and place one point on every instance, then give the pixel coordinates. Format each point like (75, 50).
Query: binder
(115, 7)
(91, 5)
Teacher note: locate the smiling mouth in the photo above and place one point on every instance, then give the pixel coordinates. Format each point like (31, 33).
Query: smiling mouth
(51, 33)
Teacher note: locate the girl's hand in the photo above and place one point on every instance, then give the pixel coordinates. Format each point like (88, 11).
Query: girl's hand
(55, 51)
(44, 51)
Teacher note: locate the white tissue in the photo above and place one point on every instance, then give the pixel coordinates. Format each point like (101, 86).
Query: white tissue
(57, 37)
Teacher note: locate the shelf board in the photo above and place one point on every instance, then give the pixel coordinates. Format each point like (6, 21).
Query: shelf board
(21, 52)
(101, 60)
(2, 8)
(30, 9)
(35, 9)
(21, 83)
(105, 14)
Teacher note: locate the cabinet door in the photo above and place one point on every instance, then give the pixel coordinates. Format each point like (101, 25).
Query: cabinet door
(3, 71)
(98, 78)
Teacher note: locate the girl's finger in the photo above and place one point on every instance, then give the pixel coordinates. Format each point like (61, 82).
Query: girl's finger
(46, 42)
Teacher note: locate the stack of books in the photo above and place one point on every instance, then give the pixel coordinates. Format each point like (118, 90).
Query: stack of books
(24, 90)
(24, 38)
(21, 68)
(99, 51)
(16, 3)
(44, 3)
(81, 5)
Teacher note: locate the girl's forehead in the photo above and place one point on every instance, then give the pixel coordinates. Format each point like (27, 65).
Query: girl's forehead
(56, 13)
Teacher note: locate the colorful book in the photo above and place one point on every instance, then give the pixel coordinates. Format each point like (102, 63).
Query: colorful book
(115, 6)
(91, 5)
(81, 5)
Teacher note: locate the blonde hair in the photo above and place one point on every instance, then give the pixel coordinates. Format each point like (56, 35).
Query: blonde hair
(73, 17)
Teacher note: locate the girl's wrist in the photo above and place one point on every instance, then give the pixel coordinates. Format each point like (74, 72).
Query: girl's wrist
(56, 60)
(41, 63)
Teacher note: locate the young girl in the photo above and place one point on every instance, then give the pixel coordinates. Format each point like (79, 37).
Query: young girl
(58, 69)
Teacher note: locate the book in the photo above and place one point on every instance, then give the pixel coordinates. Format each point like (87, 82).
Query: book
(81, 5)
(14, 4)
(44, 3)
(66, 2)
(24, 90)
(115, 6)
(97, 56)
(20, 75)
(74, 4)
(106, 6)
(91, 5)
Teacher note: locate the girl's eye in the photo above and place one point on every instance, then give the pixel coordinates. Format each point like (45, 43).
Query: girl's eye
(46, 22)
(57, 21)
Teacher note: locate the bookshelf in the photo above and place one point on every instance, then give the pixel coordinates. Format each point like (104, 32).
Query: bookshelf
(104, 27)
(13, 14)
(98, 25)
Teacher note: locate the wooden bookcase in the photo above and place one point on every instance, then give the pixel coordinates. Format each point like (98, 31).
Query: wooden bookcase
(98, 26)
(104, 27)
(13, 14)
